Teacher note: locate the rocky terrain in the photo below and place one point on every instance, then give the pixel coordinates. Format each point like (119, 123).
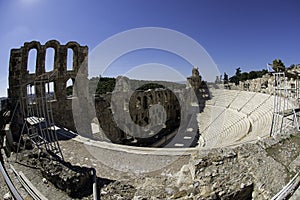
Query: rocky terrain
(249, 171)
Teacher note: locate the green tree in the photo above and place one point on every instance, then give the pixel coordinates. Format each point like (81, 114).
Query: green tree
(225, 78)
(244, 76)
(237, 77)
(261, 73)
(253, 75)
(238, 71)
(70, 90)
(150, 86)
(278, 65)
(292, 66)
(234, 79)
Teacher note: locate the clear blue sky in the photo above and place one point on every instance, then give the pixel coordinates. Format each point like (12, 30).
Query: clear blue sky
(245, 34)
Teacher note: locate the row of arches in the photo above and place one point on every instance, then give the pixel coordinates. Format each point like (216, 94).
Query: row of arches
(49, 89)
(50, 57)
(44, 58)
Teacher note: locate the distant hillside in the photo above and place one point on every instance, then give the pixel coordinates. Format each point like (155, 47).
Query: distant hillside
(150, 86)
(101, 86)
(170, 85)
(107, 84)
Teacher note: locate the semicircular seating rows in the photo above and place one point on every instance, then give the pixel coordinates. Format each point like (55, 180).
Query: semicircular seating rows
(232, 117)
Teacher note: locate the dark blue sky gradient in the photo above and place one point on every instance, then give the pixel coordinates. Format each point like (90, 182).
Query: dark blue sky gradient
(246, 34)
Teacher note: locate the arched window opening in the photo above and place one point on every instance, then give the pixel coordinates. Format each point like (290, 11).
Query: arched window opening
(138, 102)
(50, 91)
(145, 103)
(70, 58)
(50, 57)
(150, 98)
(126, 104)
(95, 125)
(31, 62)
(146, 120)
(166, 97)
(159, 95)
(30, 93)
(69, 87)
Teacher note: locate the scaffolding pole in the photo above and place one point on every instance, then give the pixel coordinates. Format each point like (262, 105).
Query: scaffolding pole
(286, 109)
(37, 113)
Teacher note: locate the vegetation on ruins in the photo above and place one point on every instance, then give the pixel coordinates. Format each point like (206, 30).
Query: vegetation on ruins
(69, 90)
(150, 86)
(278, 65)
(225, 78)
(103, 85)
(243, 76)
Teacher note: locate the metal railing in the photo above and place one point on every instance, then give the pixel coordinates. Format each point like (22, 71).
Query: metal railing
(9, 184)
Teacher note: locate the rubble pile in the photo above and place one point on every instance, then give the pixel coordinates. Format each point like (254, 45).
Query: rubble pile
(249, 171)
(76, 181)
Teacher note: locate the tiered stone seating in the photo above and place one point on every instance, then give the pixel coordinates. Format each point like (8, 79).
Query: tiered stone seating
(226, 128)
(261, 121)
(254, 103)
(214, 129)
(226, 97)
(214, 96)
(222, 97)
(228, 122)
(241, 100)
(235, 132)
(208, 116)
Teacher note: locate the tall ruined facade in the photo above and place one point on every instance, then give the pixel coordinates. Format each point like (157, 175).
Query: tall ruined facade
(143, 117)
(21, 78)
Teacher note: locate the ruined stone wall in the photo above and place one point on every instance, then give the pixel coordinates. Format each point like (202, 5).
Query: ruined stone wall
(20, 77)
(194, 81)
(143, 113)
(139, 113)
(266, 83)
(142, 101)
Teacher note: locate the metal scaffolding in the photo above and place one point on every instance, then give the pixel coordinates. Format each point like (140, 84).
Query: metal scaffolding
(286, 105)
(37, 113)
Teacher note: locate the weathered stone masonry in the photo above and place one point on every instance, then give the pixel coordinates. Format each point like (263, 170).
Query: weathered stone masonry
(139, 115)
(143, 109)
(20, 77)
